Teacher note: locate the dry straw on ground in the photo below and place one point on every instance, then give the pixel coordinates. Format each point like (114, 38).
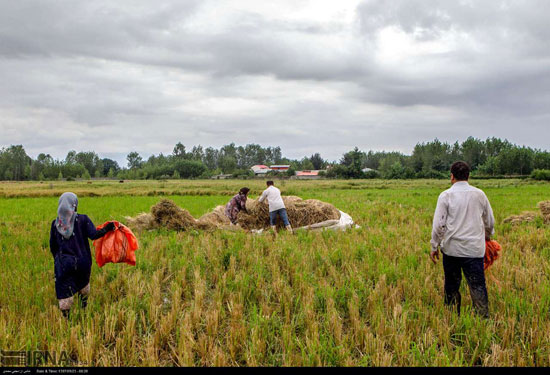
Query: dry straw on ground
(214, 219)
(167, 214)
(545, 210)
(524, 217)
(300, 213)
(531, 216)
(141, 222)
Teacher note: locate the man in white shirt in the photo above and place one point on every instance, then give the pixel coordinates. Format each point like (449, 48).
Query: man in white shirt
(276, 206)
(463, 221)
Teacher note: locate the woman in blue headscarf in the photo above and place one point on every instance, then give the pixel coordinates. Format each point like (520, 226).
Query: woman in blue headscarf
(71, 251)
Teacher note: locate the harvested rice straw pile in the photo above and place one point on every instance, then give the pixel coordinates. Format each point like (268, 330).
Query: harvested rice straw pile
(214, 219)
(166, 214)
(545, 210)
(141, 222)
(300, 213)
(524, 217)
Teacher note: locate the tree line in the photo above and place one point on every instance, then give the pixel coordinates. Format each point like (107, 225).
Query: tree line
(492, 157)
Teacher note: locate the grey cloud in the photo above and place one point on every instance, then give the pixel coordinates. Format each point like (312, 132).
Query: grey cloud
(492, 21)
(162, 36)
(504, 67)
(151, 74)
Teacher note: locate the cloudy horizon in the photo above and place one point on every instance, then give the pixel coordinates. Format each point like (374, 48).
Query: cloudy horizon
(308, 76)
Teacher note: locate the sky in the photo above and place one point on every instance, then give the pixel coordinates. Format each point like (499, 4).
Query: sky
(308, 76)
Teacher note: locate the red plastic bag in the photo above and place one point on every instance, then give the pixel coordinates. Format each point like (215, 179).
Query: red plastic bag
(491, 253)
(117, 246)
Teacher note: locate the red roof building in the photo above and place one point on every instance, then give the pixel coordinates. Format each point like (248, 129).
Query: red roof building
(260, 169)
(280, 167)
(307, 174)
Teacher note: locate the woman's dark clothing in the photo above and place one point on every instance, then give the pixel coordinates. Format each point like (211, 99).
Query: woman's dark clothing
(72, 257)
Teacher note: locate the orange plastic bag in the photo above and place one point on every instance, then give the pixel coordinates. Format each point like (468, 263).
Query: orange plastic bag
(117, 246)
(492, 249)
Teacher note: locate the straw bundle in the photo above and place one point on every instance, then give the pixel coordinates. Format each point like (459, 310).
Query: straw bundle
(300, 213)
(214, 219)
(524, 217)
(545, 211)
(167, 214)
(141, 222)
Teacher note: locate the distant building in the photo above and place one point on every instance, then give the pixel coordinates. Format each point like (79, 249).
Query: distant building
(280, 168)
(260, 169)
(308, 175)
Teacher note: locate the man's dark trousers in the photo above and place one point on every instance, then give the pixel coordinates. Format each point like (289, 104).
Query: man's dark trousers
(475, 276)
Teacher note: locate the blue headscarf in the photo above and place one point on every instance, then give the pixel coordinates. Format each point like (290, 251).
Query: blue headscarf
(66, 214)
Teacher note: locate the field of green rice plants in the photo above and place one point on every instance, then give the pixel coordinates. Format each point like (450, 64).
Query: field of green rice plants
(364, 297)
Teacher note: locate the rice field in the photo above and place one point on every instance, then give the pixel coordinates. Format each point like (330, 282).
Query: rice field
(365, 297)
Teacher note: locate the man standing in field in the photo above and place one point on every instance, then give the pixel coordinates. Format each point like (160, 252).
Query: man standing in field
(276, 206)
(463, 221)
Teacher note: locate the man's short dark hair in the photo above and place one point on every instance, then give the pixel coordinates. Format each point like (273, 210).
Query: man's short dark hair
(460, 170)
(269, 183)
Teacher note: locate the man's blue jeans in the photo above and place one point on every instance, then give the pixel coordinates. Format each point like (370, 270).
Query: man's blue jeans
(475, 277)
(282, 214)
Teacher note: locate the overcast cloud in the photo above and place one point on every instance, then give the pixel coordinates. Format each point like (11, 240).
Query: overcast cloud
(309, 76)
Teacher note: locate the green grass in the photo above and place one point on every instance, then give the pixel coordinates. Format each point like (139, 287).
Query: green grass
(366, 297)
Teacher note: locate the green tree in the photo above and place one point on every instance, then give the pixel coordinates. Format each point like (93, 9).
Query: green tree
(474, 152)
(71, 157)
(306, 164)
(90, 160)
(134, 160)
(197, 153)
(317, 161)
(13, 163)
(228, 164)
(109, 164)
(392, 171)
(515, 160)
(353, 160)
(189, 168)
(179, 151)
(490, 167)
(211, 158)
(291, 171)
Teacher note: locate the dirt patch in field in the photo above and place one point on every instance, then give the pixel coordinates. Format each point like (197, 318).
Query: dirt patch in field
(300, 213)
